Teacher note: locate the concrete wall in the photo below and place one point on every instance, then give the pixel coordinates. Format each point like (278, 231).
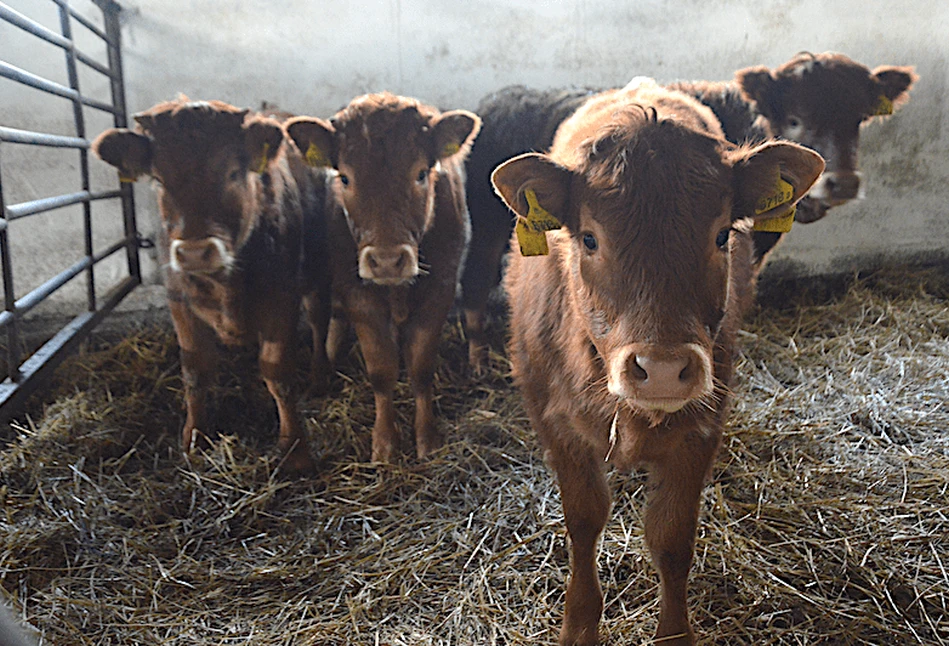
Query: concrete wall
(312, 56)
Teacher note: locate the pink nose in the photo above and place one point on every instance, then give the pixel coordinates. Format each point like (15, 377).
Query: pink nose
(206, 255)
(388, 265)
(660, 378)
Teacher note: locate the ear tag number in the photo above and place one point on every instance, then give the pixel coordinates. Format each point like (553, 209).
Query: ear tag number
(883, 107)
(531, 231)
(782, 194)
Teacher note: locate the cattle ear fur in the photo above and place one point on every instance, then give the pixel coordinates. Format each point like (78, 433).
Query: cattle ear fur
(454, 131)
(128, 151)
(894, 82)
(757, 85)
(315, 138)
(532, 171)
(262, 139)
(759, 172)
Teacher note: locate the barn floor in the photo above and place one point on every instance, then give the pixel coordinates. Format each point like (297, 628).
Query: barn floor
(826, 521)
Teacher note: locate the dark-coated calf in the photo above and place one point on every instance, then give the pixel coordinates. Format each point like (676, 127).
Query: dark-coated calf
(398, 236)
(622, 338)
(243, 240)
(514, 120)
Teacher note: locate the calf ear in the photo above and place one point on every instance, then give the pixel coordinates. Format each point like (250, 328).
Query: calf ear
(262, 139)
(894, 83)
(757, 85)
(453, 132)
(532, 171)
(315, 138)
(128, 151)
(771, 178)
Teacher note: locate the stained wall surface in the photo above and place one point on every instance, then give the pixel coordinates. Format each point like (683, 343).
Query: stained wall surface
(312, 56)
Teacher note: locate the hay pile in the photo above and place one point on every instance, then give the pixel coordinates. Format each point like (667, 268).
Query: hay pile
(826, 521)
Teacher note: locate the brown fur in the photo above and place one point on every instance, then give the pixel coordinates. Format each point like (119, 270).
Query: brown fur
(400, 186)
(648, 174)
(228, 178)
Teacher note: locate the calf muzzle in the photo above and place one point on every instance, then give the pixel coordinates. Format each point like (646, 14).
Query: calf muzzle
(661, 379)
(203, 256)
(837, 187)
(389, 265)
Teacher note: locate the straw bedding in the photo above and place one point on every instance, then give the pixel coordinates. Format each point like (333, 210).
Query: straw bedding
(825, 521)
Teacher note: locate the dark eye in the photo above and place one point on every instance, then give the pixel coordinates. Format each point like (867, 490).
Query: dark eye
(589, 241)
(422, 176)
(344, 179)
(794, 122)
(722, 238)
(236, 175)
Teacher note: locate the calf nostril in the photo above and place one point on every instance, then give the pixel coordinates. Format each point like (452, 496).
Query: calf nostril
(400, 263)
(637, 372)
(372, 261)
(688, 371)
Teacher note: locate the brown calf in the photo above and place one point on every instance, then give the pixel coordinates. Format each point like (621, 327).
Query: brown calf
(622, 337)
(817, 100)
(398, 238)
(243, 239)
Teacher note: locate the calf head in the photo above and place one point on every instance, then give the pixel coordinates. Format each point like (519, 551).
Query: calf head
(821, 101)
(644, 205)
(386, 150)
(206, 158)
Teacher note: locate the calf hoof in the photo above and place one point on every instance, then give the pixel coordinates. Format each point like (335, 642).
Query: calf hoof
(477, 360)
(296, 462)
(193, 439)
(425, 447)
(384, 453)
(572, 636)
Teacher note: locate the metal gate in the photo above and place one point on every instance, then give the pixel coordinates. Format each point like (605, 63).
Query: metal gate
(25, 371)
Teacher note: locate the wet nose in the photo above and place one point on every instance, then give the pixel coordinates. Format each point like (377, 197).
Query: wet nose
(656, 378)
(388, 265)
(200, 256)
(843, 186)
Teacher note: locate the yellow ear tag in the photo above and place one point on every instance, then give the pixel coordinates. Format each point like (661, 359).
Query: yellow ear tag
(883, 107)
(262, 166)
(126, 179)
(450, 149)
(531, 231)
(315, 157)
(783, 193)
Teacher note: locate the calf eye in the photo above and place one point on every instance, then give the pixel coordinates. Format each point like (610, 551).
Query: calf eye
(344, 179)
(236, 175)
(589, 241)
(422, 176)
(722, 238)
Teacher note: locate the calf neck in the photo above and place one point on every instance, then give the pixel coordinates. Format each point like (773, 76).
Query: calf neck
(622, 337)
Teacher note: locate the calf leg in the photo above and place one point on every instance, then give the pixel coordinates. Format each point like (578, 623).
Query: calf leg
(377, 340)
(276, 368)
(671, 518)
(198, 347)
(480, 277)
(421, 348)
(318, 317)
(338, 340)
(586, 507)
